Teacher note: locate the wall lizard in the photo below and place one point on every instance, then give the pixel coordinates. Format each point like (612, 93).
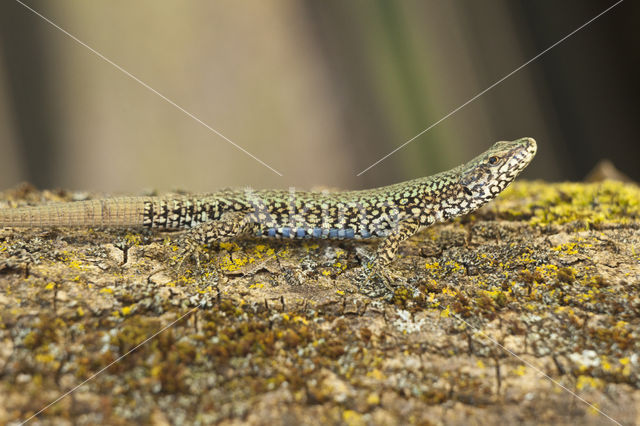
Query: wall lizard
(392, 213)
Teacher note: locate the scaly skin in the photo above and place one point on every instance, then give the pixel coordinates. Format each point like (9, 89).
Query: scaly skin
(393, 213)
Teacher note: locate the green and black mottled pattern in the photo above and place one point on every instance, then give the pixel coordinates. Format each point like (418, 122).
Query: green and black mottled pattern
(393, 212)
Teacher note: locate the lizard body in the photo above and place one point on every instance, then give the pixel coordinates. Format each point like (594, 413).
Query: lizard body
(392, 213)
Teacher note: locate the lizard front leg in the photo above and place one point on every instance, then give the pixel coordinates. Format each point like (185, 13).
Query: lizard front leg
(376, 278)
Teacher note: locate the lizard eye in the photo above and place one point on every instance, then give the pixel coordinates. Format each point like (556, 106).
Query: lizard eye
(493, 160)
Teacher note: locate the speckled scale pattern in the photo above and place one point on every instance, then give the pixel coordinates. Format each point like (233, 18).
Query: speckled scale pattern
(292, 214)
(393, 212)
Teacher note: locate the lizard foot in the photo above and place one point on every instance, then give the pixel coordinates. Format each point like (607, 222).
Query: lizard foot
(189, 250)
(376, 281)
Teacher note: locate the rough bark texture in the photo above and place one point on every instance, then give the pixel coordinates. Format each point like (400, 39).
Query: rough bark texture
(543, 281)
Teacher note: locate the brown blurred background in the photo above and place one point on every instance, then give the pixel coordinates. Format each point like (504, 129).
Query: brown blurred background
(319, 90)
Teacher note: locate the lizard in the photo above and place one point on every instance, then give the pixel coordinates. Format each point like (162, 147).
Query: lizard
(391, 213)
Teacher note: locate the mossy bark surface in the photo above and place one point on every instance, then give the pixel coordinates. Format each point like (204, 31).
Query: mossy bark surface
(514, 314)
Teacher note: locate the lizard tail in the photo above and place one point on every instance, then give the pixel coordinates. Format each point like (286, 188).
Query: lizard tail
(114, 212)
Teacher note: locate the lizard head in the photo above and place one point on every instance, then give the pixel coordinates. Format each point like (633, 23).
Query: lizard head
(484, 177)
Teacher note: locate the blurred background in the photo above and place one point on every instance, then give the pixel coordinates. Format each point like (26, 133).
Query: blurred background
(318, 90)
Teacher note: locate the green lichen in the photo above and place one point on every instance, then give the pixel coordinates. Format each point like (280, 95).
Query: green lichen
(559, 288)
(589, 204)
